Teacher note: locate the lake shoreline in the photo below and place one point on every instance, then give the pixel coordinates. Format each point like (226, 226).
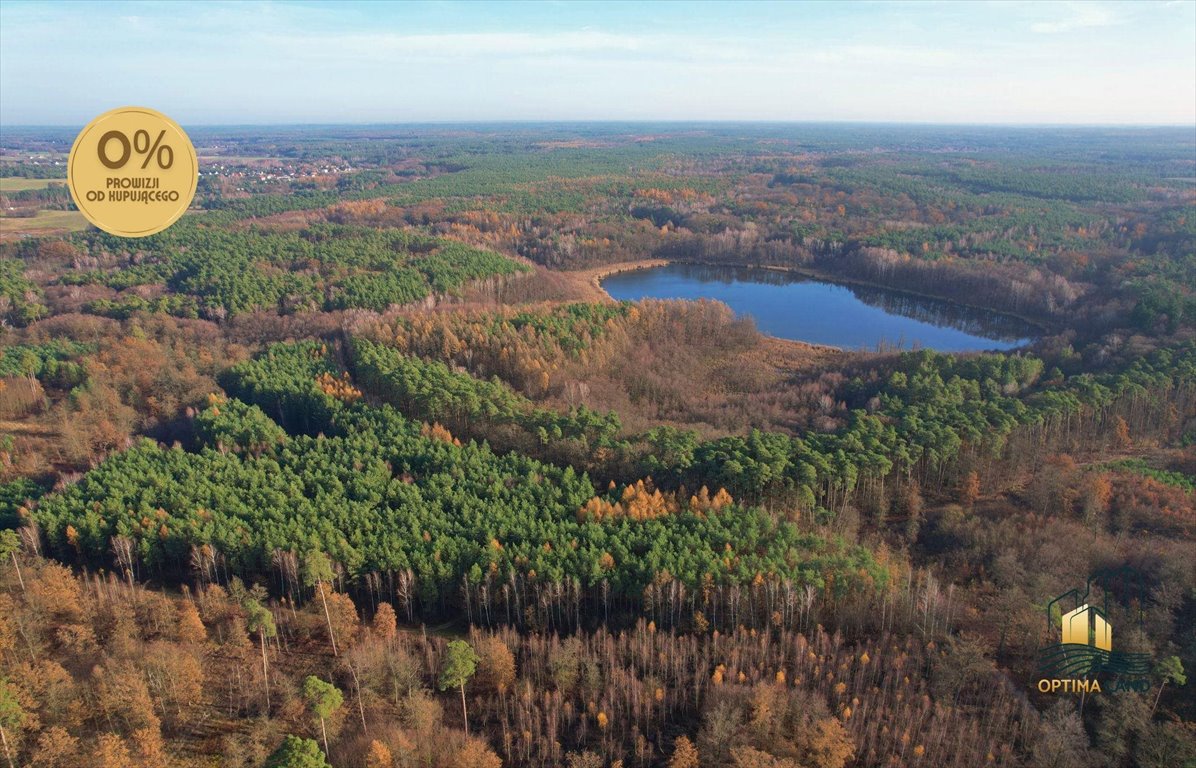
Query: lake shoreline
(981, 333)
(596, 275)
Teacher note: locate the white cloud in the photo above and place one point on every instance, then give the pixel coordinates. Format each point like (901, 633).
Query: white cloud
(1079, 16)
(600, 47)
(499, 43)
(510, 45)
(241, 62)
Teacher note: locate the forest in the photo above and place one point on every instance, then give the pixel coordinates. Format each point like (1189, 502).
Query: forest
(363, 468)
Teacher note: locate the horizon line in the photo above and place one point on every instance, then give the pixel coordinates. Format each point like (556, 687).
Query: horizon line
(643, 121)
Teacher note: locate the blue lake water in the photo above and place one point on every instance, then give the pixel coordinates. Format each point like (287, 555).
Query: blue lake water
(790, 306)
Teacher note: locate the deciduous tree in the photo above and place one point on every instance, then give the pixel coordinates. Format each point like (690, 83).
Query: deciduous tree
(685, 754)
(496, 664)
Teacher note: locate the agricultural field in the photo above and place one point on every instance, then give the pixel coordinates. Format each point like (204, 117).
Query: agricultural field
(42, 224)
(12, 184)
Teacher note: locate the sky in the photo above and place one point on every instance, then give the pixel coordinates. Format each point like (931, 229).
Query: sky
(222, 63)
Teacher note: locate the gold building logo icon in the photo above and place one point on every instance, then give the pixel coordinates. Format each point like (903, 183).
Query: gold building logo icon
(1087, 625)
(1084, 651)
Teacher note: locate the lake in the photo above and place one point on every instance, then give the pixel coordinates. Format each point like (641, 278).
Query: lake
(790, 306)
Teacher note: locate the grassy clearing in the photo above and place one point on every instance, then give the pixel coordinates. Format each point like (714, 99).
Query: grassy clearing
(1139, 466)
(14, 184)
(45, 223)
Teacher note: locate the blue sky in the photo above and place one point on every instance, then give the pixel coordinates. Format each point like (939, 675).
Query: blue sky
(284, 62)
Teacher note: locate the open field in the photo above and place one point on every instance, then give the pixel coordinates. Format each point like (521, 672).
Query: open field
(45, 223)
(14, 184)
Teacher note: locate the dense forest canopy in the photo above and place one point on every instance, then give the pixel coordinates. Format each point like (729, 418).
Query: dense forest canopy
(358, 465)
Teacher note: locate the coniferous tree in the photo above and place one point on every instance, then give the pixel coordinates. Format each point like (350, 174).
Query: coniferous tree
(317, 569)
(323, 699)
(296, 752)
(460, 663)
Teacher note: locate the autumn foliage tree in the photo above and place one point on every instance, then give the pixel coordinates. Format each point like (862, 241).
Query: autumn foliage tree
(685, 755)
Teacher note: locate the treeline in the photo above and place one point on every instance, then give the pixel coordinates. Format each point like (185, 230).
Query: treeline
(56, 363)
(1026, 232)
(403, 509)
(431, 391)
(925, 421)
(52, 197)
(87, 384)
(26, 370)
(680, 362)
(22, 170)
(789, 699)
(128, 305)
(933, 418)
(1026, 291)
(1011, 287)
(462, 173)
(100, 672)
(218, 273)
(21, 300)
(523, 347)
(1036, 228)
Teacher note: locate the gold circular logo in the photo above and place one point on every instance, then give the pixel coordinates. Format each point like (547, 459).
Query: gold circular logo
(132, 172)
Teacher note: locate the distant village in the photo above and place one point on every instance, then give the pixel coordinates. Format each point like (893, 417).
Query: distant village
(268, 169)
